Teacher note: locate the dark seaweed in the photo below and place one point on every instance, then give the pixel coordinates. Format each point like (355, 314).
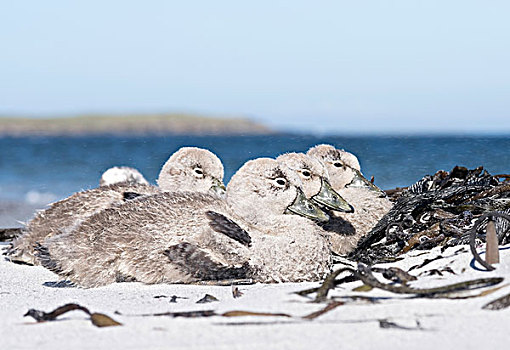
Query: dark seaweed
(498, 304)
(98, 320)
(384, 323)
(186, 314)
(8, 234)
(472, 236)
(208, 298)
(329, 283)
(41, 316)
(350, 278)
(438, 210)
(236, 293)
(395, 274)
(329, 307)
(365, 274)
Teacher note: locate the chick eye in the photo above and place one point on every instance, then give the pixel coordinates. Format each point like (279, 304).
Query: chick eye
(306, 174)
(338, 164)
(280, 182)
(198, 172)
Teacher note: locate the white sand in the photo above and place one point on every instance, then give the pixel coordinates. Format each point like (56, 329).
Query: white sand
(446, 324)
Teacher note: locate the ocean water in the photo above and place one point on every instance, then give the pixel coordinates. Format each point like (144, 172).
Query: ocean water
(38, 170)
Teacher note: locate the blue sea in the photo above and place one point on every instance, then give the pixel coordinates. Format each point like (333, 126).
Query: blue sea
(38, 170)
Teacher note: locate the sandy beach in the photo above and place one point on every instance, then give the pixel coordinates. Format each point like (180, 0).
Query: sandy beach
(426, 323)
(401, 108)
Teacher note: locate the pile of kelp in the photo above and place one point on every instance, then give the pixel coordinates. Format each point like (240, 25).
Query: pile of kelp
(438, 210)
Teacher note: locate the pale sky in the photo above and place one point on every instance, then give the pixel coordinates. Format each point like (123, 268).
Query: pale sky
(312, 66)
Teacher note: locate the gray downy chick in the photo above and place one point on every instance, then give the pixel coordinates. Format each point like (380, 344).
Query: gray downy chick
(197, 170)
(316, 187)
(190, 237)
(192, 169)
(292, 248)
(369, 202)
(122, 174)
(315, 180)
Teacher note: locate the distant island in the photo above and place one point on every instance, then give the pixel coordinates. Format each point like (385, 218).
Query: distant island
(135, 124)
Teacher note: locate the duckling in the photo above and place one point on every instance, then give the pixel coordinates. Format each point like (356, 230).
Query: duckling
(192, 169)
(332, 154)
(120, 174)
(188, 169)
(336, 161)
(292, 248)
(190, 237)
(369, 202)
(315, 179)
